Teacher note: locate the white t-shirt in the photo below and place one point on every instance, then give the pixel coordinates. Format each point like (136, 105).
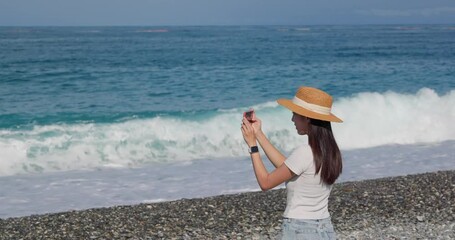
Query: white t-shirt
(307, 194)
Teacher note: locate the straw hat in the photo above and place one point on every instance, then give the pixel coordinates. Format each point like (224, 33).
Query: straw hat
(311, 102)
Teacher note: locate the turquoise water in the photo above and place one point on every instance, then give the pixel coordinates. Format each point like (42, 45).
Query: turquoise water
(85, 97)
(105, 74)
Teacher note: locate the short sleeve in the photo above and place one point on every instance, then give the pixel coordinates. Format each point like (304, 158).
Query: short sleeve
(300, 160)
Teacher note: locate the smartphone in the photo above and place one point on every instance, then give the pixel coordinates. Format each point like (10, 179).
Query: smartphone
(249, 115)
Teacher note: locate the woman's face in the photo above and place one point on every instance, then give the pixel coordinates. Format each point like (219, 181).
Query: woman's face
(301, 123)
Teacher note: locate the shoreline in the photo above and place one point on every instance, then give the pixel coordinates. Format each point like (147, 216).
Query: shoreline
(412, 206)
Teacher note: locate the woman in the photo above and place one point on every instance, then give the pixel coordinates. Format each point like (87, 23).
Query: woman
(310, 170)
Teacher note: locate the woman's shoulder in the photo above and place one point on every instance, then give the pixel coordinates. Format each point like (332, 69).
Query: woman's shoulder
(304, 148)
(300, 159)
(304, 151)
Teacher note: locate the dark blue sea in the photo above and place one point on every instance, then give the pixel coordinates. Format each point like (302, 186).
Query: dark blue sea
(141, 113)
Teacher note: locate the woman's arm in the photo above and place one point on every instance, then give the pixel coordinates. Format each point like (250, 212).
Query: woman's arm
(266, 180)
(269, 180)
(273, 154)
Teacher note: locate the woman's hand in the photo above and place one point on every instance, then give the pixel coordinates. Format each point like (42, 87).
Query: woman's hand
(248, 133)
(257, 123)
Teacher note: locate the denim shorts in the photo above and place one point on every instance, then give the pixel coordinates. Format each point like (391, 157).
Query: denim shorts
(308, 229)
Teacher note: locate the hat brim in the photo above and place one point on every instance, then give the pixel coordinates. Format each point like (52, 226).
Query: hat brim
(307, 113)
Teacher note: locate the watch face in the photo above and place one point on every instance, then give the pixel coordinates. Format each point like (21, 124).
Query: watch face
(254, 149)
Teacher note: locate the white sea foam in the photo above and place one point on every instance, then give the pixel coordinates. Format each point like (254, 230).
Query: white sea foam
(374, 119)
(371, 119)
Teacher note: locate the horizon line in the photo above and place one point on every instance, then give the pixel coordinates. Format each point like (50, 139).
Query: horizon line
(231, 25)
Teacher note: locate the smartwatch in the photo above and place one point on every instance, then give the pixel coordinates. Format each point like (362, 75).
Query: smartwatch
(253, 149)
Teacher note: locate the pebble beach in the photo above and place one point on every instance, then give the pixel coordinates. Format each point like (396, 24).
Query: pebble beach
(407, 207)
(132, 132)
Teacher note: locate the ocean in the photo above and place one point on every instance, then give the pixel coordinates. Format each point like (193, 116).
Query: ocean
(102, 116)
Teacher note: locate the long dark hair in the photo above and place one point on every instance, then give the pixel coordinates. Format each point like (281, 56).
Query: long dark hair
(327, 156)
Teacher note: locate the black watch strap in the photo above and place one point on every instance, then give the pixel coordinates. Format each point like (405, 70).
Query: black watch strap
(254, 149)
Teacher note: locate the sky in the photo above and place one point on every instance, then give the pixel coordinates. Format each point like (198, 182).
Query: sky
(223, 12)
